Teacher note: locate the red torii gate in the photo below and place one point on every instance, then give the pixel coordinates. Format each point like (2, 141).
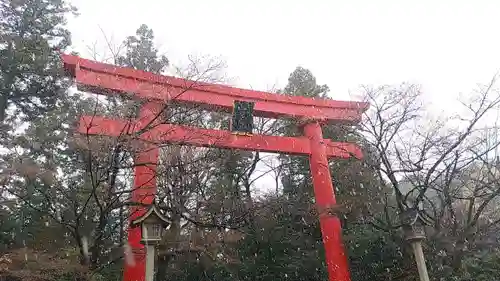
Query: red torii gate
(159, 90)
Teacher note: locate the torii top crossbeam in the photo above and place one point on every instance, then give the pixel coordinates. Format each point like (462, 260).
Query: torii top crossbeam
(160, 90)
(99, 76)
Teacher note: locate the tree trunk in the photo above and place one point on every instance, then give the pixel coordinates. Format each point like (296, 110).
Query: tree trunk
(458, 253)
(3, 107)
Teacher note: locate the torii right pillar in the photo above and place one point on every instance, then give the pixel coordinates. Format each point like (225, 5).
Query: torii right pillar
(331, 229)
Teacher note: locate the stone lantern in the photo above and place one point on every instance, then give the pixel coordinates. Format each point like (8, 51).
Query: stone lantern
(152, 224)
(413, 226)
(414, 233)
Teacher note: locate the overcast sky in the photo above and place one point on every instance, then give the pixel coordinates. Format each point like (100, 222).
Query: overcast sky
(446, 47)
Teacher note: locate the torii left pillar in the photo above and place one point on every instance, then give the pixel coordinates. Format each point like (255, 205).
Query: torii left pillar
(144, 190)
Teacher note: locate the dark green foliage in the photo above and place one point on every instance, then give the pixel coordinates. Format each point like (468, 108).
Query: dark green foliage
(375, 255)
(32, 33)
(482, 267)
(8, 227)
(141, 52)
(287, 245)
(295, 169)
(302, 82)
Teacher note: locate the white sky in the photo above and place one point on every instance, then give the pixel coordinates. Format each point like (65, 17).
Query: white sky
(446, 46)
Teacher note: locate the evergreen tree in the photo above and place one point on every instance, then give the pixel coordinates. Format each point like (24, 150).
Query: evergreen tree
(141, 53)
(352, 179)
(296, 178)
(32, 33)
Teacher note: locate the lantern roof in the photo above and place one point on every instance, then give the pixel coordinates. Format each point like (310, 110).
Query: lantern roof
(410, 217)
(153, 215)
